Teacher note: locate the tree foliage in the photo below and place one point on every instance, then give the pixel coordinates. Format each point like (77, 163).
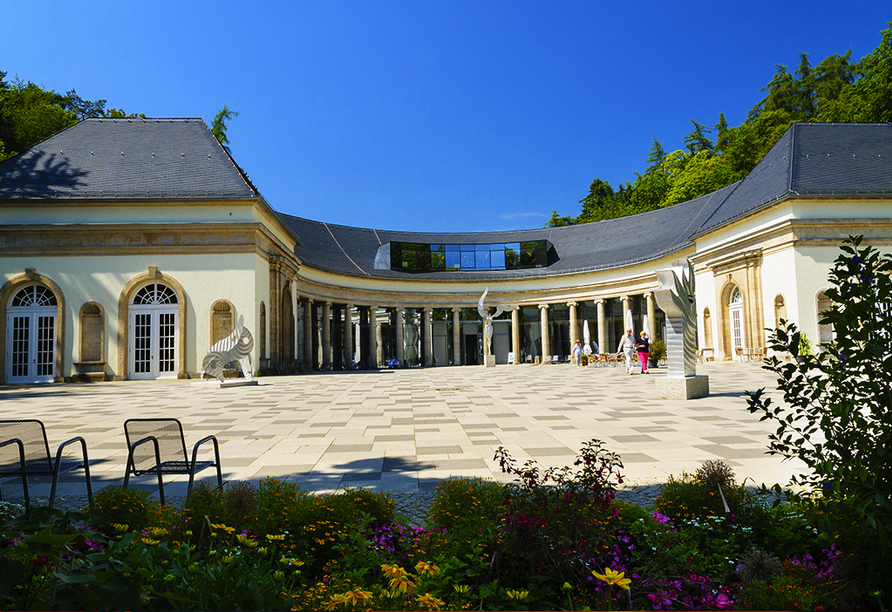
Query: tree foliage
(30, 113)
(836, 90)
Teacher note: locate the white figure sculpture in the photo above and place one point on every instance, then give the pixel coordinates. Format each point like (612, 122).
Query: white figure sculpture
(487, 319)
(237, 346)
(676, 298)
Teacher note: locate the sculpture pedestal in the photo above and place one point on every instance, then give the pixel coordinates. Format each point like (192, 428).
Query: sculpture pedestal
(232, 382)
(489, 361)
(689, 387)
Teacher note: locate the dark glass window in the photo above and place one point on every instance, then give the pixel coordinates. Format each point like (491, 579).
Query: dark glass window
(413, 257)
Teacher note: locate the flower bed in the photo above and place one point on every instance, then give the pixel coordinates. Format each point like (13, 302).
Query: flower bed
(555, 539)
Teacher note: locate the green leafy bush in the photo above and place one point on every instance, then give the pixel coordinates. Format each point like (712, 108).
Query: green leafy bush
(837, 412)
(116, 505)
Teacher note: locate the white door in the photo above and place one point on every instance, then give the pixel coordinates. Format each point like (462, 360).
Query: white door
(735, 310)
(154, 321)
(31, 336)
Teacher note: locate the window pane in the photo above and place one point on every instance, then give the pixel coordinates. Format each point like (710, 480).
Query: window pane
(483, 260)
(498, 259)
(468, 261)
(453, 260)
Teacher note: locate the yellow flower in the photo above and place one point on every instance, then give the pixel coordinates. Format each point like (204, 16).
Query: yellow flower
(392, 571)
(246, 541)
(611, 577)
(120, 528)
(518, 595)
(464, 589)
(223, 527)
(334, 602)
(357, 597)
(429, 601)
(427, 568)
(272, 538)
(227, 559)
(149, 542)
(402, 584)
(158, 532)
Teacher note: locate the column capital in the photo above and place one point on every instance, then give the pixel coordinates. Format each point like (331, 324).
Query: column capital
(572, 303)
(624, 298)
(543, 306)
(401, 309)
(600, 301)
(647, 294)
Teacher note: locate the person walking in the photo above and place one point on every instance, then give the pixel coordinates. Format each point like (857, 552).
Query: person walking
(643, 351)
(627, 347)
(577, 354)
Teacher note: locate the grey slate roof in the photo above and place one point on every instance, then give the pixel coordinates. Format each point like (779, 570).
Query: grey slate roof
(809, 159)
(139, 158)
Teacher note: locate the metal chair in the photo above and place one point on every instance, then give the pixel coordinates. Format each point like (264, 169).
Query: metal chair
(158, 446)
(25, 451)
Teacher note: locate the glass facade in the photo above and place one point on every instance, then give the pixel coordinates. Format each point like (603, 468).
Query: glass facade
(415, 257)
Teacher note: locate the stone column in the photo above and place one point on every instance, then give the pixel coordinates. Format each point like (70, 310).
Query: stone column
(374, 358)
(625, 299)
(349, 347)
(515, 334)
(379, 342)
(602, 327)
(309, 333)
(400, 340)
(546, 340)
(427, 341)
(651, 315)
(456, 336)
(574, 325)
(326, 336)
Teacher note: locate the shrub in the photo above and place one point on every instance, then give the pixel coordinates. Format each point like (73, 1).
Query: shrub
(837, 416)
(117, 505)
(467, 500)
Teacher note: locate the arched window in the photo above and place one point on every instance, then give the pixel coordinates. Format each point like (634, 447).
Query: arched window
(92, 336)
(780, 310)
(735, 312)
(825, 332)
(222, 322)
(707, 328)
(262, 330)
(31, 335)
(154, 326)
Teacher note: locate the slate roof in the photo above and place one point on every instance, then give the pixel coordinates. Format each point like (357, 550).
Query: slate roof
(810, 159)
(139, 158)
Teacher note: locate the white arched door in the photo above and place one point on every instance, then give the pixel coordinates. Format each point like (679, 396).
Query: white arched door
(31, 336)
(735, 311)
(154, 321)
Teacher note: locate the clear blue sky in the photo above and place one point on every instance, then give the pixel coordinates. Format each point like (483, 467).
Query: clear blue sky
(432, 115)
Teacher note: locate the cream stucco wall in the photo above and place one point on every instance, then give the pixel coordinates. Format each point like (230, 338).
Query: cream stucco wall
(204, 278)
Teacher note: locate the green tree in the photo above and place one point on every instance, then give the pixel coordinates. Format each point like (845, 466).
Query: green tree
(696, 141)
(219, 127)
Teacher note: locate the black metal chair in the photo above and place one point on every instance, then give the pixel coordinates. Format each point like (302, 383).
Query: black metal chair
(158, 446)
(25, 451)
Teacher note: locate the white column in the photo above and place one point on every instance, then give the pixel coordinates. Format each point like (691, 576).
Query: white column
(373, 337)
(456, 336)
(400, 340)
(515, 333)
(602, 328)
(546, 340)
(426, 335)
(326, 336)
(349, 347)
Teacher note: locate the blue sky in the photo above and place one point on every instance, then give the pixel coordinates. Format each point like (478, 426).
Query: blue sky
(432, 116)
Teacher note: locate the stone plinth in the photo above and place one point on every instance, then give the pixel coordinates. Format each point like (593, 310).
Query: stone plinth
(489, 361)
(689, 387)
(216, 384)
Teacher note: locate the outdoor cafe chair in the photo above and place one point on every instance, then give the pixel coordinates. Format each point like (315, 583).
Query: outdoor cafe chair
(158, 446)
(25, 451)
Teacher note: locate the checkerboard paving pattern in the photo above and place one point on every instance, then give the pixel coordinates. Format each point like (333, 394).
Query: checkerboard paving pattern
(405, 430)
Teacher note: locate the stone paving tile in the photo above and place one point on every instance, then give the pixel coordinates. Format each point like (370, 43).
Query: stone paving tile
(404, 430)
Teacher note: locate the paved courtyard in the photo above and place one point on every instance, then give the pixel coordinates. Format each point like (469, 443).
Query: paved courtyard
(404, 430)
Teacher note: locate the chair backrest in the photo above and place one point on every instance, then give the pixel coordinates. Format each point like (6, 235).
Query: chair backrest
(33, 436)
(171, 442)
